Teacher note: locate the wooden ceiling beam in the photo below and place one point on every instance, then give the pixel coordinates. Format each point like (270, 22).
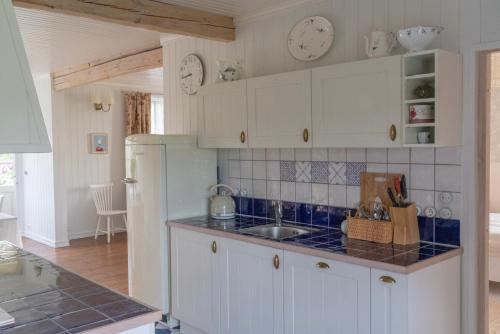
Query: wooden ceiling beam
(146, 14)
(102, 70)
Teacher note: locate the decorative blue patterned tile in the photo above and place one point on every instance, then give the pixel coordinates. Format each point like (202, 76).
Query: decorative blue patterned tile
(426, 228)
(289, 211)
(303, 171)
(337, 173)
(447, 231)
(319, 172)
(320, 215)
(353, 172)
(259, 207)
(287, 171)
(303, 213)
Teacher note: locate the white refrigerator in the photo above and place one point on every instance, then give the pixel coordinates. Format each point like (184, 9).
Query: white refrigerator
(167, 177)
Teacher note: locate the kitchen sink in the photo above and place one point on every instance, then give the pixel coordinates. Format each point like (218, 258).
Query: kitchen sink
(277, 232)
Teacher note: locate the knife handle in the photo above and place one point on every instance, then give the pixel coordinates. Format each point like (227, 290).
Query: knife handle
(392, 197)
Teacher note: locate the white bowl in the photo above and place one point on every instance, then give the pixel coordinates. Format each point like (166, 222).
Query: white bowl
(417, 38)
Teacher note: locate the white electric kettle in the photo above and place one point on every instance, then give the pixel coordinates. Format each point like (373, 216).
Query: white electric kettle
(222, 205)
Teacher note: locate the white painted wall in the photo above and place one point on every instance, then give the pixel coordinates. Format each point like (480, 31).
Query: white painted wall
(81, 168)
(470, 25)
(37, 179)
(479, 30)
(262, 43)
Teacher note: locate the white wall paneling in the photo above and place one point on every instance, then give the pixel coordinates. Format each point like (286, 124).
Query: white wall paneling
(261, 43)
(81, 168)
(38, 179)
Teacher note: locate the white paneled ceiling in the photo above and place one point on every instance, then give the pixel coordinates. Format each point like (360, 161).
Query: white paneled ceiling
(236, 8)
(148, 81)
(54, 41)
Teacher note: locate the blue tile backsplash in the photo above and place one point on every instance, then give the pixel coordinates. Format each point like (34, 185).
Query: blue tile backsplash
(317, 186)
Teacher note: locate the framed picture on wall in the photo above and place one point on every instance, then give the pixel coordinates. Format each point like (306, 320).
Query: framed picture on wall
(98, 143)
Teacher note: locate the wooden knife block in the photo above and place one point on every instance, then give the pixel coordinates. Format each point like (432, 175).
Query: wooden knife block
(405, 225)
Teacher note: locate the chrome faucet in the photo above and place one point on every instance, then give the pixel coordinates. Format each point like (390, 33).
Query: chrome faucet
(278, 211)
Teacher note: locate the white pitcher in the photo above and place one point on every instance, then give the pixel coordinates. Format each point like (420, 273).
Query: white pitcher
(380, 44)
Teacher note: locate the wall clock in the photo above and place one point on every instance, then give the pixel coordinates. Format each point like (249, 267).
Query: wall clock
(191, 74)
(310, 38)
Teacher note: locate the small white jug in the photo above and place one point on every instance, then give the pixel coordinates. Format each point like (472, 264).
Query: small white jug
(380, 44)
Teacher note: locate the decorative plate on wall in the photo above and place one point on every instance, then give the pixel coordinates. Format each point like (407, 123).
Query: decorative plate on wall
(191, 74)
(310, 38)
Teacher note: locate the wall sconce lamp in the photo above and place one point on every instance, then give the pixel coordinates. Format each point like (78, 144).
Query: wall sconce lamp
(100, 105)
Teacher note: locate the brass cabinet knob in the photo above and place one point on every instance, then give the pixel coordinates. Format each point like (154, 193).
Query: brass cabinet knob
(242, 137)
(393, 132)
(305, 135)
(276, 261)
(214, 247)
(322, 265)
(387, 279)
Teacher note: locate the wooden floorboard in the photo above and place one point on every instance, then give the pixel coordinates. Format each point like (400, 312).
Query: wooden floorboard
(96, 260)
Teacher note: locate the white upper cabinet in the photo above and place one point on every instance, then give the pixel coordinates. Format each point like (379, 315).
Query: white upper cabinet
(279, 110)
(357, 104)
(222, 115)
(22, 129)
(251, 288)
(323, 296)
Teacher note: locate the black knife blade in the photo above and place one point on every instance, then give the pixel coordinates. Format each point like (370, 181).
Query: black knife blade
(404, 190)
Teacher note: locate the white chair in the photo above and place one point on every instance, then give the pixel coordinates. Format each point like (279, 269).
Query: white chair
(102, 194)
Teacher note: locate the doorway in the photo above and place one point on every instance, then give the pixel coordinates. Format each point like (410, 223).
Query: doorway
(8, 184)
(489, 103)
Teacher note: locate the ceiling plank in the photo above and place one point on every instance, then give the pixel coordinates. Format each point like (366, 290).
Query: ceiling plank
(97, 71)
(146, 14)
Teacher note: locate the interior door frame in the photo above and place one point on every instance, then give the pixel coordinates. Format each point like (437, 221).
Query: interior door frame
(475, 178)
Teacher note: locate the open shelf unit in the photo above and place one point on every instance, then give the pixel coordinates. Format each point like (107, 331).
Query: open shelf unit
(438, 72)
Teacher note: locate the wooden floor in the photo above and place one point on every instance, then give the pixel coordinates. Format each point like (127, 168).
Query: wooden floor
(494, 308)
(96, 260)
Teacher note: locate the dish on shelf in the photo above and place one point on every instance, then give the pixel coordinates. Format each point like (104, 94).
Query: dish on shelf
(310, 38)
(418, 38)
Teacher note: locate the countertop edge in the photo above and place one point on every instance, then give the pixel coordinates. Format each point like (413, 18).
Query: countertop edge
(320, 253)
(126, 324)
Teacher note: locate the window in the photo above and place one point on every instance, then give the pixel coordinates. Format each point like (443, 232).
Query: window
(157, 120)
(7, 170)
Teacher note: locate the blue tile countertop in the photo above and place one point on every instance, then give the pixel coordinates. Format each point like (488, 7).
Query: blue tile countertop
(329, 243)
(46, 299)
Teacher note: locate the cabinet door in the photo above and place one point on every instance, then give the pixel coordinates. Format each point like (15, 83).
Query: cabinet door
(195, 291)
(389, 303)
(222, 115)
(279, 110)
(22, 128)
(325, 297)
(356, 104)
(251, 289)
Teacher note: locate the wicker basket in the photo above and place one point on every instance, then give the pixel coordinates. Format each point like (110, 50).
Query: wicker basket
(371, 230)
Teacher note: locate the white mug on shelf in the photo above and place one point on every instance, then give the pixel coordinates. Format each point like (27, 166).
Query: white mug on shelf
(424, 137)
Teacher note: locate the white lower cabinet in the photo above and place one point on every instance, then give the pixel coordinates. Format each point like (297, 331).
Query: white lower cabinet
(424, 301)
(324, 296)
(251, 288)
(195, 279)
(389, 302)
(222, 285)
